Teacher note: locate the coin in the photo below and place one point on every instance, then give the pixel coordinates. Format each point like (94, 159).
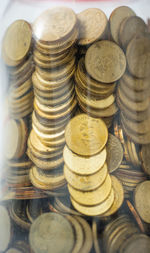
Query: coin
(86, 183)
(13, 250)
(85, 135)
(116, 18)
(56, 24)
(17, 72)
(19, 33)
(141, 200)
(137, 243)
(95, 237)
(64, 206)
(129, 28)
(54, 226)
(137, 84)
(105, 61)
(84, 165)
(145, 150)
(92, 25)
(5, 229)
(94, 197)
(114, 153)
(137, 55)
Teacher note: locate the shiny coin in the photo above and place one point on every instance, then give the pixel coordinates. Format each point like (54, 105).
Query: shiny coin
(85, 135)
(114, 153)
(142, 201)
(105, 61)
(84, 165)
(116, 18)
(92, 25)
(54, 226)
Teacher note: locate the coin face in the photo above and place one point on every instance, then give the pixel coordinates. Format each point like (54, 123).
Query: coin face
(85, 135)
(142, 201)
(138, 56)
(17, 42)
(55, 24)
(116, 18)
(46, 234)
(105, 61)
(92, 25)
(114, 153)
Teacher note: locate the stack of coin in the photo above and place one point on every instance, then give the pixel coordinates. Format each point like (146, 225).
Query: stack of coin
(96, 80)
(117, 232)
(16, 52)
(93, 192)
(144, 155)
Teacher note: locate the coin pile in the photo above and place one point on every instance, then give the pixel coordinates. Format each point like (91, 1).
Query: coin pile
(77, 234)
(93, 192)
(16, 52)
(96, 80)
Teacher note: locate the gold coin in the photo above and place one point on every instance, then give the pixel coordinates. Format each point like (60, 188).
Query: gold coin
(92, 25)
(145, 151)
(137, 84)
(105, 61)
(118, 197)
(114, 153)
(84, 165)
(137, 55)
(91, 198)
(86, 183)
(17, 42)
(85, 135)
(16, 93)
(129, 28)
(56, 24)
(48, 57)
(50, 137)
(95, 210)
(116, 18)
(16, 82)
(27, 98)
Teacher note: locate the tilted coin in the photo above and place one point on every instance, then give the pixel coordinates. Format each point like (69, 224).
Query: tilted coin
(145, 157)
(84, 165)
(137, 243)
(114, 153)
(85, 135)
(105, 61)
(46, 232)
(137, 84)
(92, 25)
(55, 24)
(116, 18)
(5, 229)
(138, 56)
(142, 201)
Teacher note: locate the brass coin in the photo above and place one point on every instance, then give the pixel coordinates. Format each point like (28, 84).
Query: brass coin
(95, 210)
(114, 153)
(118, 197)
(145, 151)
(129, 28)
(19, 33)
(137, 84)
(137, 55)
(24, 67)
(5, 229)
(19, 164)
(136, 243)
(91, 198)
(84, 165)
(116, 18)
(48, 57)
(141, 200)
(86, 183)
(105, 61)
(88, 239)
(50, 137)
(95, 237)
(16, 93)
(55, 225)
(85, 135)
(79, 234)
(55, 24)
(92, 25)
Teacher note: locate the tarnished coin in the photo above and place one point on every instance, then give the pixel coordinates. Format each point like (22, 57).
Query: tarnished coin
(137, 84)
(86, 183)
(105, 61)
(84, 165)
(85, 135)
(55, 24)
(129, 28)
(17, 42)
(114, 153)
(92, 25)
(116, 18)
(46, 234)
(145, 157)
(138, 56)
(136, 243)
(91, 198)
(5, 229)
(142, 200)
